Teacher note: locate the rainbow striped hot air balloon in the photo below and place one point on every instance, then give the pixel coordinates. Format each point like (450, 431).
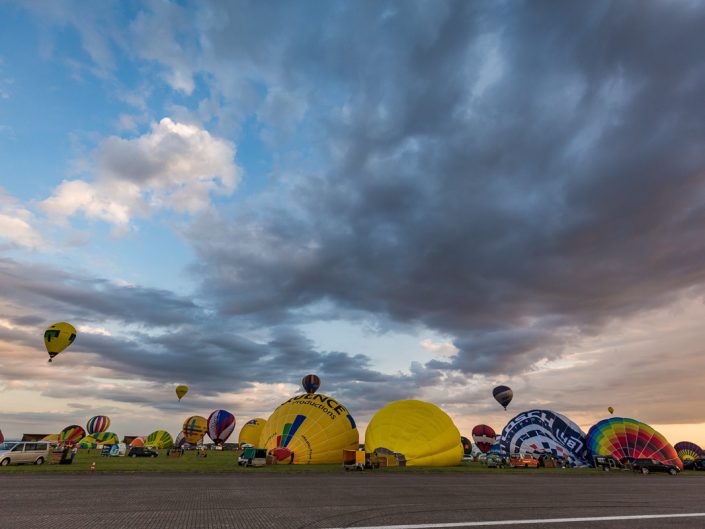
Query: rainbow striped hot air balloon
(72, 434)
(221, 424)
(628, 438)
(194, 429)
(99, 423)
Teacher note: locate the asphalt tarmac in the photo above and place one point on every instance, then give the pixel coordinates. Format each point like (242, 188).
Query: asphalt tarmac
(355, 499)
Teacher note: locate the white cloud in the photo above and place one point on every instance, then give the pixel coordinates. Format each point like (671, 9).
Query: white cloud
(17, 224)
(442, 349)
(175, 166)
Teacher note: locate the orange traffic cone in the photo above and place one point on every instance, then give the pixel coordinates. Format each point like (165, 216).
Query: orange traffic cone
(93, 466)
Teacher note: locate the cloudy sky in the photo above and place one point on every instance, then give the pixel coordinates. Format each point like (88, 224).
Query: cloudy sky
(410, 199)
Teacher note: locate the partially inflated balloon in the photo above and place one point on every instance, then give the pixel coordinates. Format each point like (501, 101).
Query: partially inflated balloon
(72, 434)
(503, 395)
(137, 441)
(221, 424)
(88, 442)
(50, 437)
(311, 383)
(545, 432)
(106, 438)
(310, 429)
(251, 432)
(627, 438)
(181, 390)
(58, 337)
(688, 451)
(159, 439)
(484, 437)
(194, 429)
(99, 423)
(420, 433)
(467, 445)
(610, 409)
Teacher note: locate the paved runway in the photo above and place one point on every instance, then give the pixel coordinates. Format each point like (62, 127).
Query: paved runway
(355, 499)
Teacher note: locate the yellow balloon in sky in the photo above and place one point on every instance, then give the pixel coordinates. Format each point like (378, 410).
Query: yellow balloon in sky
(251, 431)
(310, 429)
(58, 337)
(181, 390)
(420, 431)
(610, 409)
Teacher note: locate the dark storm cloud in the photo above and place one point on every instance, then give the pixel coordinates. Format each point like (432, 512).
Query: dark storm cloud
(502, 173)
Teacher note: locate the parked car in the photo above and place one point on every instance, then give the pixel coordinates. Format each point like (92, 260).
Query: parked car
(142, 451)
(253, 457)
(646, 465)
(607, 463)
(697, 464)
(525, 461)
(495, 461)
(12, 453)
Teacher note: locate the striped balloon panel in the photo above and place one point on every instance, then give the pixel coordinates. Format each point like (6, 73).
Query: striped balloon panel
(99, 423)
(221, 424)
(623, 437)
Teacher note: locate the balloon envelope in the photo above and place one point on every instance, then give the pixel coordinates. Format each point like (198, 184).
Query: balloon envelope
(628, 438)
(467, 445)
(251, 431)
(221, 424)
(58, 337)
(314, 427)
(99, 423)
(545, 432)
(72, 434)
(137, 441)
(181, 390)
(311, 383)
(503, 395)
(106, 438)
(688, 451)
(420, 433)
(610, 409)
(194, 429)
(484, 437)
(159, 439)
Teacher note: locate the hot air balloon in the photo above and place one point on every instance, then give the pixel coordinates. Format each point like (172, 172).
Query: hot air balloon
(610, 409)
(137, 441)
(181, 390)
(72, 434)
(194, 429)
(250, 432)
(50, 437)
(627, 438)
(180, 441)
(221, 424)
(688, 451)
(58, 337)
(312, 429)
(99, 423)
(2, 437)
(419, 433)
(467, 446)
(106, 438)
(503, 395)
(484, 437)
(88, 442)
(159, 439)
(311, 383)
(545, 432)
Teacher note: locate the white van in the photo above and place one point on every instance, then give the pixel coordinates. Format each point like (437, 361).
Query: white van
(16, 452)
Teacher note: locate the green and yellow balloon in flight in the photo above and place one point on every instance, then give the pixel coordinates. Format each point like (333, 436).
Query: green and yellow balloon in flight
(58, 337)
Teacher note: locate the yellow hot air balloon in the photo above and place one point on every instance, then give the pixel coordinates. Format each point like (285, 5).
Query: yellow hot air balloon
(610, 409)
(159, 439)
(181, 390)
(58, 337)
(310, 429)
(194, 429)
(251, 431)
(419, 432)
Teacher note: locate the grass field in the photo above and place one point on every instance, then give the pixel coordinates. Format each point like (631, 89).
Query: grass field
(227, 462)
